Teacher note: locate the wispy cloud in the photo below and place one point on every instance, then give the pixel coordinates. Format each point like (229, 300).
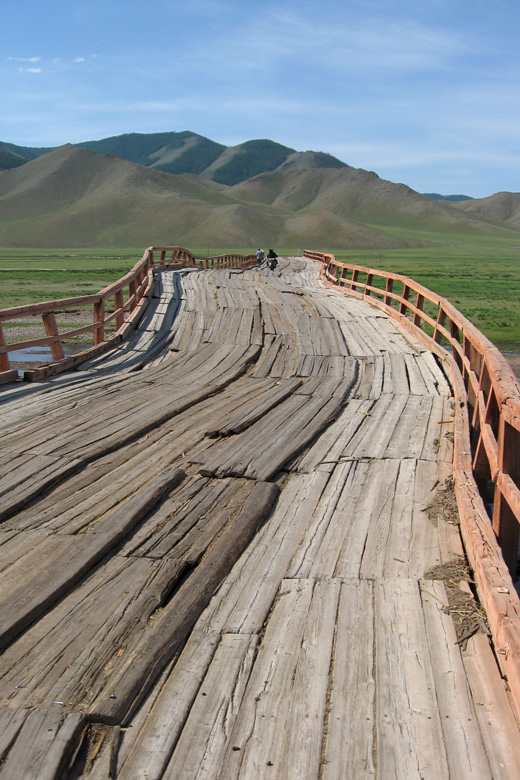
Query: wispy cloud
(24, 59)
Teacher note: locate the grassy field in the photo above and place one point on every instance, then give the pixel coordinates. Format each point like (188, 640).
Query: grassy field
(480, 276)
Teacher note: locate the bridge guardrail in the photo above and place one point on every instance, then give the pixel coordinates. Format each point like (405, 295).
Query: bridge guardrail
(487, 436)
(111, 322)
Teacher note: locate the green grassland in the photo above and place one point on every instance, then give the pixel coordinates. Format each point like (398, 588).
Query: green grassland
(479, 275)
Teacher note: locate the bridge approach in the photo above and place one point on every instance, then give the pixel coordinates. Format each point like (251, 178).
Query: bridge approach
(231, 548)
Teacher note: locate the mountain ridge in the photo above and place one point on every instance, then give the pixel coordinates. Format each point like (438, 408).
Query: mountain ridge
(77, 197)
(182, 152)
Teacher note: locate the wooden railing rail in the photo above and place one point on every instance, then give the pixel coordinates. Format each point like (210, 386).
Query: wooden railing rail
(114, 311)
(487, 436)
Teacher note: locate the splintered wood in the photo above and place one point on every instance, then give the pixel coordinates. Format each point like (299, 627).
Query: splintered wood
(217, 547)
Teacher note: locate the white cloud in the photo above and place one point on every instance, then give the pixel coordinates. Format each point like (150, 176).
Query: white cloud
(24, 59)
(79, 59)
(30, 70)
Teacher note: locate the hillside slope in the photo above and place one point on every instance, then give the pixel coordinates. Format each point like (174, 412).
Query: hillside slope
(501, 207)
(185, 152)
(76, 197)
(354, 194)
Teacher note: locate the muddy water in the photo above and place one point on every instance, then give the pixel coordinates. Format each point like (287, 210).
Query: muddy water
(31, 356)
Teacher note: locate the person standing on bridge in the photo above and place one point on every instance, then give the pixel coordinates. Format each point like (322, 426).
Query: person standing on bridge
(259, 257)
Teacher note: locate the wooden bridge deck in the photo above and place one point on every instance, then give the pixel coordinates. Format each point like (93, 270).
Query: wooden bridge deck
(230, 550)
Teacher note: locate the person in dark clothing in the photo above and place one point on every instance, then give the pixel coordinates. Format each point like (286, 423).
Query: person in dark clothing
(272, 261)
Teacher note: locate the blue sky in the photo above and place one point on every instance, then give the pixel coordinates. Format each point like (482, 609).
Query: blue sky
(426, 92)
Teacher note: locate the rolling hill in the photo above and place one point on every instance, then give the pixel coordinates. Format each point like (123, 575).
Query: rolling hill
(184, 152)
(77, 197)
(501, 207)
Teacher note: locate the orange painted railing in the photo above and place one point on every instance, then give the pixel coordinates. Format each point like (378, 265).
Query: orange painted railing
(130, 296)
(487, 436)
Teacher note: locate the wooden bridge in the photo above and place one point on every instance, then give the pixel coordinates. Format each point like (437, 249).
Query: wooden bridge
(248, 541)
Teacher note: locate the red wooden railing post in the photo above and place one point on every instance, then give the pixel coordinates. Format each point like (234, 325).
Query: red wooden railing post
(51, 329)
(99, 320)
(417, 319)
(403, 308)
(132, 287)
(389, 288)
(441, 319)
(4, 357)
(118, 304)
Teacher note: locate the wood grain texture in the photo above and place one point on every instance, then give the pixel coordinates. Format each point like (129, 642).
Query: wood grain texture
(269, 615)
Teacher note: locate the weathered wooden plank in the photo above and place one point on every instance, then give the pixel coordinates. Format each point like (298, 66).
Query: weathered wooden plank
(25, 476)
(279, 726)
(204, 738)
(335, 547)
(395, 377)
(389, 519)
(260, 399)
(168, 633)
(409, 731)
(434, 530)
(430, 363)
(349, 750)
(158, 734)
(11, 723)
(438, 436)
(93, 440)
(245, 598)
(179, 505)
(328, 450)
(371, 377)
(64, 560)
(13, 545)
(68, 655)
(461, 734)
(197, 524)
(262, 450)
(46, 744)
(373, 436)
(497, 722)
(78, 503)
(407, 440)
(416, 378)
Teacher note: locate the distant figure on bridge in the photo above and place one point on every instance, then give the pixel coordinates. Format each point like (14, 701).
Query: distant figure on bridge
(259, 257)
(272, 261)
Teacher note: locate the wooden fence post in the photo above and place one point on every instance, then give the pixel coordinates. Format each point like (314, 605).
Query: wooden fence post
(4, 357)
(389, 289)
(99, 317)
(417, 319)
(132, 287)
(51, 329)
(403, 308)
(118, 303)
(441, 319)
